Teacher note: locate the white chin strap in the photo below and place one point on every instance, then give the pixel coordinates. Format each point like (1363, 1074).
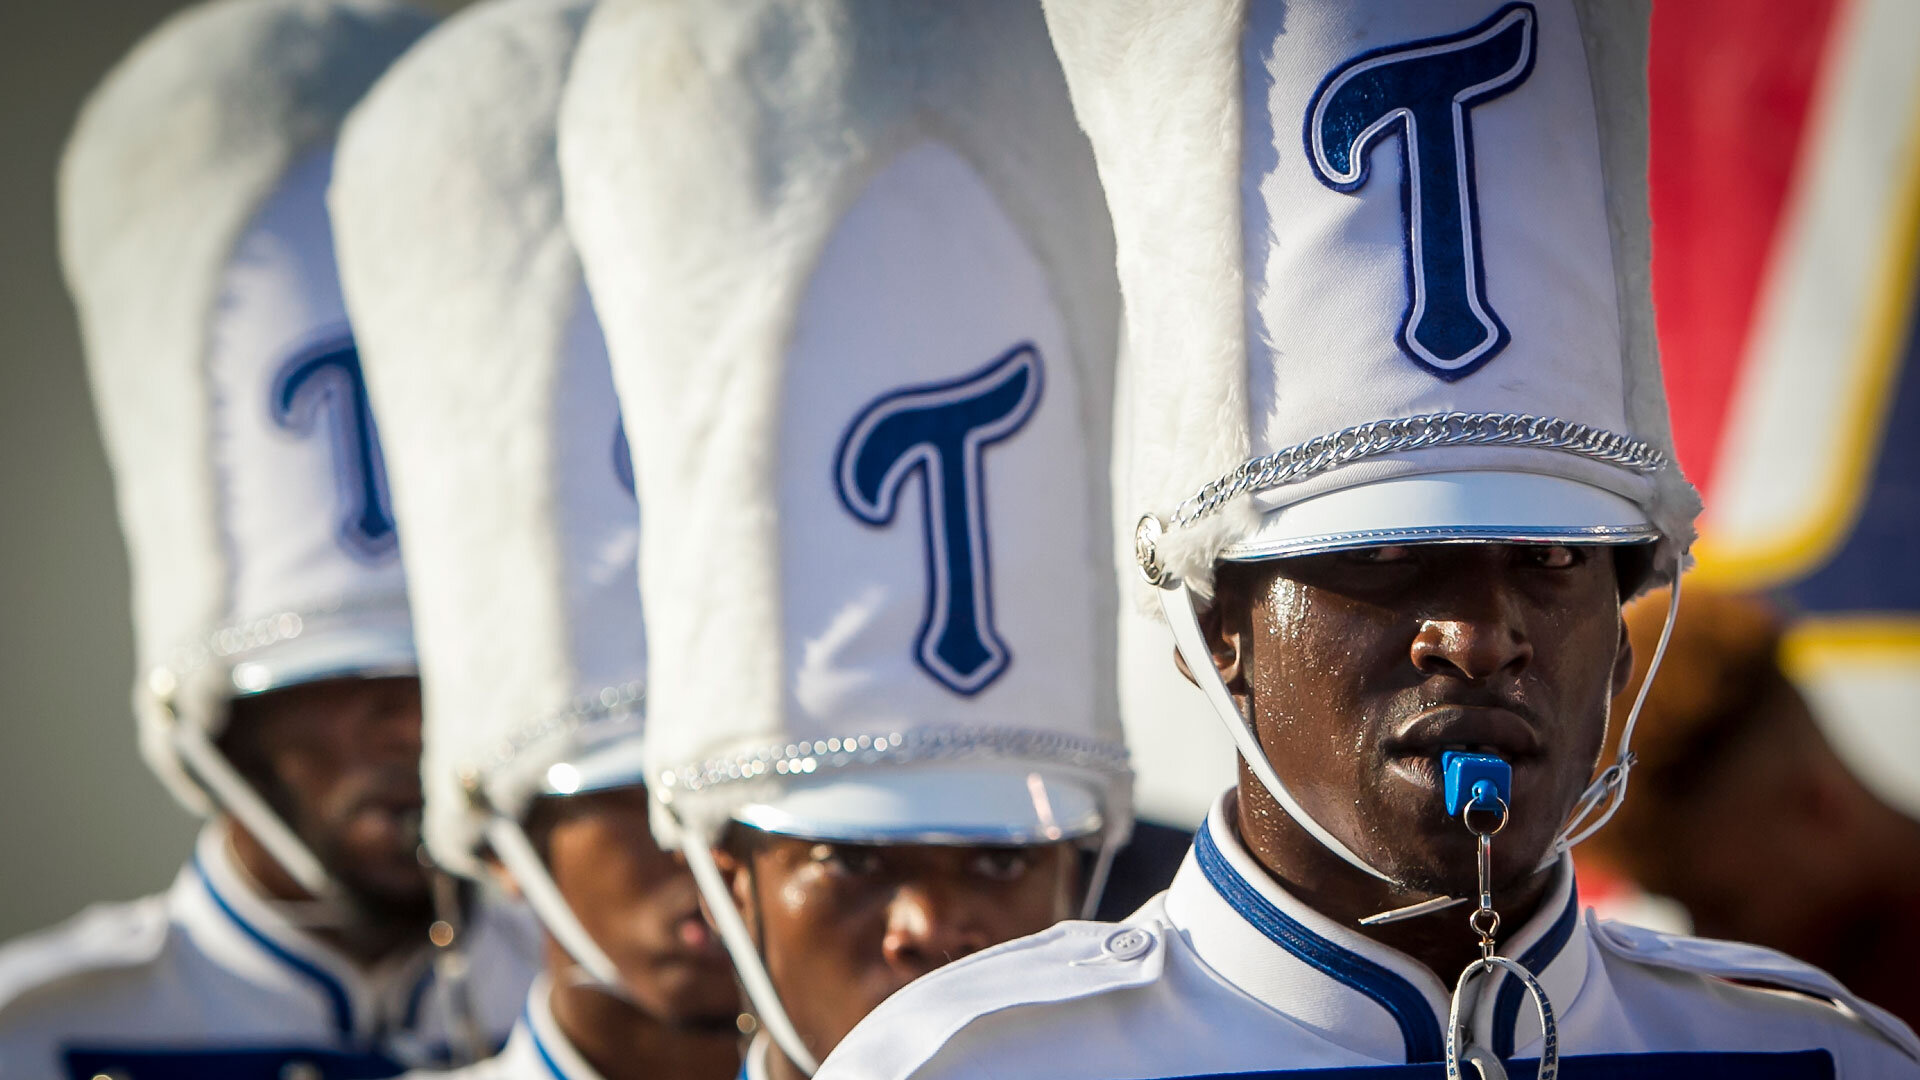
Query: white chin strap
(745, 952)
(1608, 789)
(232, 794)
(1102, 865)
(515, 852)
(1182, 615)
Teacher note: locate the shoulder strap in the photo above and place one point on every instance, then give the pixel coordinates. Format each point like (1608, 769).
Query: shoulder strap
(1070, 961)
(1740, 962)
(100, 938)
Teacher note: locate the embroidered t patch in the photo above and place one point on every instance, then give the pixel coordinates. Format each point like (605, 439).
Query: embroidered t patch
(1424, 93)
(326, 379)
(939, 432)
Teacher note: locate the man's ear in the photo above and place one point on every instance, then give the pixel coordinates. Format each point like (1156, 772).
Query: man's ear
(735, 869)
(1623, 661)
(1227, 648)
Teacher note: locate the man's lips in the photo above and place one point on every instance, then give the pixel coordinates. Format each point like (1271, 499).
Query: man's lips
(1481, 729)
(695, 941)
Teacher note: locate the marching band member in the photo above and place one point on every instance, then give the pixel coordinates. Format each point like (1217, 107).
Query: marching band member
(513, 482)
(1400, 455)
(277, 693)
(854, 270)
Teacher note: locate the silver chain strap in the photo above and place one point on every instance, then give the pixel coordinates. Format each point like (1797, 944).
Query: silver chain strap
(1408, 433)
(899, 747)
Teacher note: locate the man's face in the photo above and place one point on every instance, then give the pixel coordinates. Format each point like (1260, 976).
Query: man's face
(1363, 666)
(339, 760)
(638, 903)
(842, 926)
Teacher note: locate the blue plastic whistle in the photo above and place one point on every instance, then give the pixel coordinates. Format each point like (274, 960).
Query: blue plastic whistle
(1481, 781)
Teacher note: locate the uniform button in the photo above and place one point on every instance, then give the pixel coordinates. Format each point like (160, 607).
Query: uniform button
(1129, 944)
(300, 1070)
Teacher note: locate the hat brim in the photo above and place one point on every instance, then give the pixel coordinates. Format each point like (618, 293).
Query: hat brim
(932, 805)
(1484, 506)
(617, 765)
(370, 649)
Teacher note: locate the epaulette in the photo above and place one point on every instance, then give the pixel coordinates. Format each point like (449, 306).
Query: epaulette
(101, 938)
(1751, 965)
(1067, 962)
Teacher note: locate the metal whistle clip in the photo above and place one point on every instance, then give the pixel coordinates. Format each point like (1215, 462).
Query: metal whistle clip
(1479, 793)
(1478, 789)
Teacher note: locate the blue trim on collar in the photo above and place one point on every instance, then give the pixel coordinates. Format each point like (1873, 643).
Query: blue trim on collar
(417, 995)
(1419, 1028)
(336, 994)
(540, 1048)
(1506, 1005)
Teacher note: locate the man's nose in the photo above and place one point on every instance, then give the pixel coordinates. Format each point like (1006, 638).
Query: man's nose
(927, 929)
(1475, 639)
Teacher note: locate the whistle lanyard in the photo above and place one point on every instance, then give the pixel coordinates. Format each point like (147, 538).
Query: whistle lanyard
(1479, 790)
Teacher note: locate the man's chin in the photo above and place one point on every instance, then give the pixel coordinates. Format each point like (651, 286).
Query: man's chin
(391, 895)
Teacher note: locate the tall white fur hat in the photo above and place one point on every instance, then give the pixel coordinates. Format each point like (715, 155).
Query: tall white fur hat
(1386, 268)
(196, 245)
(856, 278)
(511, 474)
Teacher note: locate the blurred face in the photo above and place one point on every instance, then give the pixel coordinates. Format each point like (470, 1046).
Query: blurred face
(1766, 811)
(842, 926)
(1362, 667)
(638, 903)
(339, 760)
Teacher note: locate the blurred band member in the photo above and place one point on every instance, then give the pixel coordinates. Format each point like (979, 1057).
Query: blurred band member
(277, 691)
(1743, 813)
(513, 481)
(852, 262)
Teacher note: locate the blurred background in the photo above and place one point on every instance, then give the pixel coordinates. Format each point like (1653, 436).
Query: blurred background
(1786, 195)
(81, 819)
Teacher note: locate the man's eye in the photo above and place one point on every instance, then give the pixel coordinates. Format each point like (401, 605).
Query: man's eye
(1557, 556)
(1001, 864)
(848, 861)
(1375, 556)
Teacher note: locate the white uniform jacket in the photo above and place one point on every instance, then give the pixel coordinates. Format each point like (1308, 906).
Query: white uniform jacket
(1225, 973)
(537, 1049)
(208, 981)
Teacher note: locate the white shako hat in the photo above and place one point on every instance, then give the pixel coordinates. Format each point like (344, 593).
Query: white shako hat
(195, 241)
(856, 277)
(863, 325)
(510, 468)
(1387, 280)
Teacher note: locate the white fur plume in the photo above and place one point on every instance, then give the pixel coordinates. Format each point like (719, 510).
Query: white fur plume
(172, 155)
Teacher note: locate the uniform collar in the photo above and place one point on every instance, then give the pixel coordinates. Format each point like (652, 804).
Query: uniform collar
(753, 1063)
(538, 1047)
(225, 912)
(1351, 990)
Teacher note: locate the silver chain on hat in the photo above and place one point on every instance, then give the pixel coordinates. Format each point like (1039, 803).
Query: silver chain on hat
(1400, 435)
(806, 757)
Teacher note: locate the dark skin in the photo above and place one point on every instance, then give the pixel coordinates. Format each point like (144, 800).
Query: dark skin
(640, 906)
(843, 926)
(339, 761)
(1360, 667)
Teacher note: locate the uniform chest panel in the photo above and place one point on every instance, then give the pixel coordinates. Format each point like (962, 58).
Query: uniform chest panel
(1799, 1065)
